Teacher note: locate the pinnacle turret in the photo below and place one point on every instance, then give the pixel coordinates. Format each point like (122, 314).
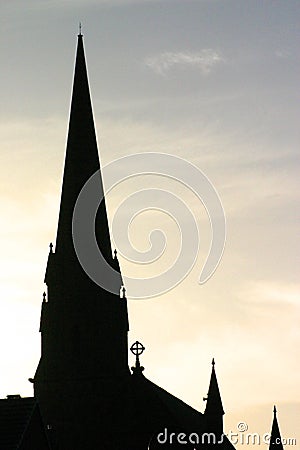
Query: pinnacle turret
(213, 400)
(275, 439)
(214, 409)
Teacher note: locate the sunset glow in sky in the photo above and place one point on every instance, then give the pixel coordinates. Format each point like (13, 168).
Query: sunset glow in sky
(214, 82)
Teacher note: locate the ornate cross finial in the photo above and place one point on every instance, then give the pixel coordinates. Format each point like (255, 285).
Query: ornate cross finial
(137, 349)
(51, 247)
(44, 297)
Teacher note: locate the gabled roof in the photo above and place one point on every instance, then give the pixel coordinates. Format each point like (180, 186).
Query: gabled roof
(155, 406)
(17, 416)
(156, 409)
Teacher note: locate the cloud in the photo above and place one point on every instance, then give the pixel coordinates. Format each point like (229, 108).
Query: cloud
(280, 53)
(205, 61)
(271, 293)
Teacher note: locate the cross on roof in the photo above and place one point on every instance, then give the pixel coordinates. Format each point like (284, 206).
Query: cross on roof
(137, 349)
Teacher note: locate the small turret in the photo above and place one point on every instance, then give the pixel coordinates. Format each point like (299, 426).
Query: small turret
(275, 439)
(214, 409)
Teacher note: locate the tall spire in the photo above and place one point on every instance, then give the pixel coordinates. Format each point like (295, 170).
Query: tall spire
(84, 351)
(69, 287)
(275, 439)
(82, 161)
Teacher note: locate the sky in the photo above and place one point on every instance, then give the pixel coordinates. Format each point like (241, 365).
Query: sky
(216, 83)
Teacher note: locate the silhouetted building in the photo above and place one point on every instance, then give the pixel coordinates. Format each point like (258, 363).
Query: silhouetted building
(87, 396)
(81, 379)
(21, 425)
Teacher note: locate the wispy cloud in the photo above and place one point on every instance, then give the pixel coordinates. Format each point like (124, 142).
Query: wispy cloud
(205, 61)
(281, 53)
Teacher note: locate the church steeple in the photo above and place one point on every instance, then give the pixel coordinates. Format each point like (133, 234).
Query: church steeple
(81, 162)
(214, 409)
(84, 328)
(275, 439)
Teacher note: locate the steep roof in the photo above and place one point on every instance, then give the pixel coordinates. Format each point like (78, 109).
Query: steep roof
(17, 416)
(155, 409)
(160, 406)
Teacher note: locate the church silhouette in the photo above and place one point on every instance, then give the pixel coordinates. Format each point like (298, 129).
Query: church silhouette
(85, 395)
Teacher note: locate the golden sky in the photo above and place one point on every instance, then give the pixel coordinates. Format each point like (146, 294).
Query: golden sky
(215, 83)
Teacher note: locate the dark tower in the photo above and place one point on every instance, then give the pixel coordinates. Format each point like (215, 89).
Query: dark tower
(214, 409)
(81, 377)
(275, 439)
(87, 397)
